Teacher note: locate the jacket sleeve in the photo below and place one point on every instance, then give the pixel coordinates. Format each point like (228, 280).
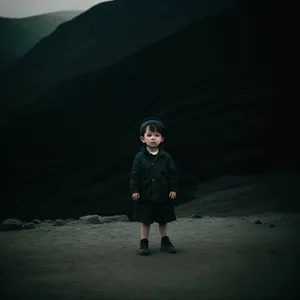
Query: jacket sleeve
(135, 175)
(173, 175)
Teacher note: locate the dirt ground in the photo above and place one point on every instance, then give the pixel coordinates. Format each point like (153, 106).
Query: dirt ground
(225, 258)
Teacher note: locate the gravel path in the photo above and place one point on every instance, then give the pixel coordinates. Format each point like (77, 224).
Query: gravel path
(218, 258)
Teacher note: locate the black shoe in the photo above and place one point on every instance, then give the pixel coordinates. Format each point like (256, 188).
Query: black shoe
(166, 245)
(144, 247)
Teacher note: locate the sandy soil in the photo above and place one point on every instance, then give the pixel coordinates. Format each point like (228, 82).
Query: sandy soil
(230, 257)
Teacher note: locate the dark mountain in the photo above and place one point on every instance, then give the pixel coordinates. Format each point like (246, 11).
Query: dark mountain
(211, 82)
(18, 36)
(101, 36)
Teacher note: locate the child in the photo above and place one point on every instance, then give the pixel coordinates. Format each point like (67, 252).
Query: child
(153, 184)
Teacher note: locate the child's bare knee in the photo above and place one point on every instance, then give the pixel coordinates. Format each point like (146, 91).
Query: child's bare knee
(162, 224)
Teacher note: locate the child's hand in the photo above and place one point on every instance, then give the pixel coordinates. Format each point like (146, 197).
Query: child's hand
(136, 196)
(172, 195)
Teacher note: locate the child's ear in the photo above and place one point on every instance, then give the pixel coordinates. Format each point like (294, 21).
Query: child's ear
(142, 139)
(162, 139)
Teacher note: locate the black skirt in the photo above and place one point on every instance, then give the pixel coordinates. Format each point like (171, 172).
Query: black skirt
(150, 212)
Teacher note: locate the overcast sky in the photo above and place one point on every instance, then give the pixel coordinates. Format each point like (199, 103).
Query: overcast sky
(26, 8)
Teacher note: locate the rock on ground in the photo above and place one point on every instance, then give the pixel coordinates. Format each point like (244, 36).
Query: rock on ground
(28, 226)
(11, 224)
(95, 219)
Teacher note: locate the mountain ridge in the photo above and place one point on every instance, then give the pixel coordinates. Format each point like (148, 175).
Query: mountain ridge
(19, 35)
(84, 54)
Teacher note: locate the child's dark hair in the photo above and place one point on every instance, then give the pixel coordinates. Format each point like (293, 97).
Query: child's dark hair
(154, 126)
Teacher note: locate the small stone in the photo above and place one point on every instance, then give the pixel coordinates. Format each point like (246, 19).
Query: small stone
(258, 222)
(36, 221)
(28, 226)
(59, 222)
(11, 224)
(116, 218)
(48, 221)
(103, 220)
(90, 219)
(122, 218)
(196, 216)
(70, 220)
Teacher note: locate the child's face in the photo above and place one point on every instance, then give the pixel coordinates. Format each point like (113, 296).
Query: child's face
(152, 139)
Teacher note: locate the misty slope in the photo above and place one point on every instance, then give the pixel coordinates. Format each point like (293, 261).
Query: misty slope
(99, 37)
(237, 195)
(17, 36)
(210, 82)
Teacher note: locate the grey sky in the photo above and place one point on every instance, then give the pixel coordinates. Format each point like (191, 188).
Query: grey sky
(26, 8)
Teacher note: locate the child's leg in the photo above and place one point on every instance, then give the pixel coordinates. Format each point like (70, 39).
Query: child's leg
(144, 243)
(145, 229)
(163, 229)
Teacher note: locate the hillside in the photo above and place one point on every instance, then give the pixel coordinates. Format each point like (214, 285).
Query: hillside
(101, 36)
(231, 195)
(18, 36)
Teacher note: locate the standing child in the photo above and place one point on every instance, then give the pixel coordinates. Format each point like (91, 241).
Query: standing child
(153, 184)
